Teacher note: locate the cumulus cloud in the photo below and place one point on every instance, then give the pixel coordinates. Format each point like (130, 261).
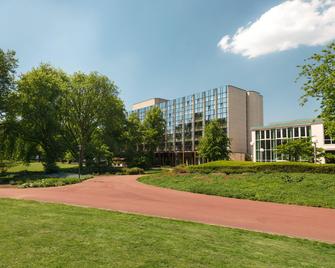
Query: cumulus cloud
(285, 26)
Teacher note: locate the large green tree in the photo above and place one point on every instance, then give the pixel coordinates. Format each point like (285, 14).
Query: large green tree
(153, 128)
(318, 73)
(133, 139)
(215, 143)
(92, 116)
(296, 149)
(34, 117)
(8, 65)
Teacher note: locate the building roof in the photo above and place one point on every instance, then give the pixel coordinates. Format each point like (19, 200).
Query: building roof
(293, 123)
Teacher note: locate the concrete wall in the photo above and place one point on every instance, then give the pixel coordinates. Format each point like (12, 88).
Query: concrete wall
(147, 103)
(254, 114)
(237, 119)
(245, 110)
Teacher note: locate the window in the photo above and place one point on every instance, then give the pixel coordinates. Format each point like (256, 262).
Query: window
(278, 134)
(302, 132)
(268, 134)
(296, 132)
(262, 134)
(284, 133)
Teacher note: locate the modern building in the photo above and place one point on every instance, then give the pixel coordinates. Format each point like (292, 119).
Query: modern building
(186, 118)
(265, 139)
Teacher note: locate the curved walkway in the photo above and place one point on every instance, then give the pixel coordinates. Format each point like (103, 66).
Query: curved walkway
(125, 193)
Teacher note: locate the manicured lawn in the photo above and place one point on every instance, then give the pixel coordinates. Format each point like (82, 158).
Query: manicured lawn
(290, 188)
(48, 235)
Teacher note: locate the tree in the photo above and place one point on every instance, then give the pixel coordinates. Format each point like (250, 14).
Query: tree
(133, 139)
(296, 149)
(215, 143)
(319, 82)
(35, 115)
(8, 65)
(92, 116)
(153, 132)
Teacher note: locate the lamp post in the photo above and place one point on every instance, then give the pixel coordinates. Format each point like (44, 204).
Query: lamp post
(261, 154)
(314, 141)
(80, 149)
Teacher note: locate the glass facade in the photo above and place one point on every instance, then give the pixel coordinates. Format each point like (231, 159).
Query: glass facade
(187, 116)
(267, 141)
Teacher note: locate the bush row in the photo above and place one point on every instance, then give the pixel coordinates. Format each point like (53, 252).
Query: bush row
(131, 171)
(231, 167)
(50, 182)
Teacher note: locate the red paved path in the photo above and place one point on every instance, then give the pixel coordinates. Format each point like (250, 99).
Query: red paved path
(124, 193)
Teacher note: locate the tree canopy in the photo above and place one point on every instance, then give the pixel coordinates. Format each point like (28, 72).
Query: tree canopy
(296, 150)
(215, 143)
(37, 103)
(91, 113)
(318, 73)
(8, 65)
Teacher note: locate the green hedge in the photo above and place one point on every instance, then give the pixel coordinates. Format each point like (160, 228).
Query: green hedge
(231, 167)
(131, 171)
(51, 182)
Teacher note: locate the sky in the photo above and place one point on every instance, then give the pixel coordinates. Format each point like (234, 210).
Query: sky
(170, 49)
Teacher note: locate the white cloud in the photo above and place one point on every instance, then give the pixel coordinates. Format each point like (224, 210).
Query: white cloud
(285, 26)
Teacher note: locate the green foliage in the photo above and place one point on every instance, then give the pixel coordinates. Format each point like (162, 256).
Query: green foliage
(296, 149)
(318, 73)
(132, 171)
(235, 167)
(133, 140)
(153, 132)
(215, 144)
(52, 182)
(36, 118)
(153, 129)
(294, 188)
(8, 65)
(92, 116)
(112, 239)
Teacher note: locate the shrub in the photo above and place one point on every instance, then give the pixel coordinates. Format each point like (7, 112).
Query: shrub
(50, 182)
(132, 171)
(232, 167)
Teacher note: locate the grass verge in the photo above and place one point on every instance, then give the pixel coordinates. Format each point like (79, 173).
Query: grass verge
(290, 188)
(50, 235)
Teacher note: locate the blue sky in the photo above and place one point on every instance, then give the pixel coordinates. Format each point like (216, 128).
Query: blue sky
(168, 49)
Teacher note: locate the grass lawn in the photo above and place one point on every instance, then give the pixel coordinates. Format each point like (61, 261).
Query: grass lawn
(48, 235)
(290, 188)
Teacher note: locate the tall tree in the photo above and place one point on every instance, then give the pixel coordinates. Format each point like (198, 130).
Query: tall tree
(215, 143)
(37, 102)
(319, 82)
(91, 109)
(8, 65)
(153, 132)
(133, 139)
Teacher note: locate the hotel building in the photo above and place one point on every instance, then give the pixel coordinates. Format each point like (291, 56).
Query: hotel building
(265, 139)
(237, 109)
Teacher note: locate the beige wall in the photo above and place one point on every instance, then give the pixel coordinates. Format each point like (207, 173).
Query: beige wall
(254, 114)
(147, 103)
(237, 119)
(245, 110)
